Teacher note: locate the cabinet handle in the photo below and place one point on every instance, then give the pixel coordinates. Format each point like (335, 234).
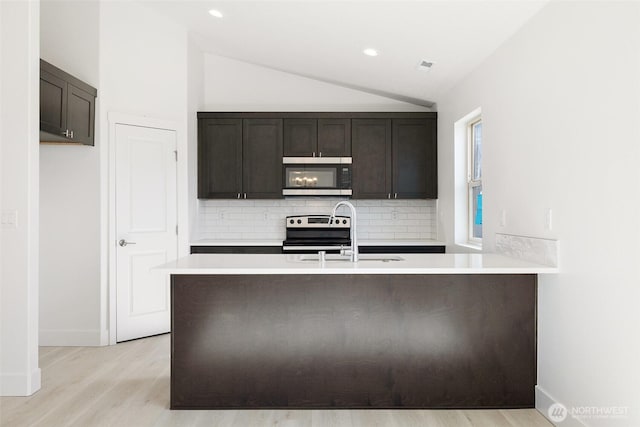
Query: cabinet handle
(395, 196)
(314, 154)
(245, 195)
(71, 134)
(238, 195)
(66, 133)
(389, 196)
(320, 154)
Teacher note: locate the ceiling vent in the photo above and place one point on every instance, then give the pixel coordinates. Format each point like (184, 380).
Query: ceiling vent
(425, 65)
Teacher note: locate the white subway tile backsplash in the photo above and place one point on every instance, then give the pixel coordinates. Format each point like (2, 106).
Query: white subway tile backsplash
(265, 219)
(381, 236)
(404, 236)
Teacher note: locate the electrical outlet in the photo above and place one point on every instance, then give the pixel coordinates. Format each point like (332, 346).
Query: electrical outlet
(265, 216)
(548, 219)
(503, 218)
(394, 215)
(221, 215)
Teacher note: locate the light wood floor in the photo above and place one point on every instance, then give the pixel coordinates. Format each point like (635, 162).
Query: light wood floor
(128, 385)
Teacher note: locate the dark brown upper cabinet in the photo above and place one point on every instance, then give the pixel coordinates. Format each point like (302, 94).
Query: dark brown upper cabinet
(300, 137)
(67, 107)
(394, 155)
(415, 159)
(372, 175)
(395, 158)
(239, 158)
(262, 158)
(219, 158)
(329, 137)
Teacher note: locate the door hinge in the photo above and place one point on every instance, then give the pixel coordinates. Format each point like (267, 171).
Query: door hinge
(176, 154)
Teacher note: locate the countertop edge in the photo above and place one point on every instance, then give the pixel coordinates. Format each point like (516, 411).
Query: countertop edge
(412, 264)
(240, 243)
(345, 272)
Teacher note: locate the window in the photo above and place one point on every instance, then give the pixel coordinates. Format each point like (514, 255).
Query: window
(474, 180)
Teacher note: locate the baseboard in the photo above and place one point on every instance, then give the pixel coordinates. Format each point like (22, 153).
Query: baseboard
(20, 384)
(544, 401)
(71, 337)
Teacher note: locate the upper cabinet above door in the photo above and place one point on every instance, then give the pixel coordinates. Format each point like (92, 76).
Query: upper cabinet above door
(329, 137)
(67, 107)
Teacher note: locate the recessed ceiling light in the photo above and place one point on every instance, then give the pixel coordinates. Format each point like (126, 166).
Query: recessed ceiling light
(370, 52)
(216, 13)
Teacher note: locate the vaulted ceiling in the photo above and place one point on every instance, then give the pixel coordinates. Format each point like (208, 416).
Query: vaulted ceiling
(325, 39)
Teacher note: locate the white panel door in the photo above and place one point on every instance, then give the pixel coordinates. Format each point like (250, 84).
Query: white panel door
(146, 228)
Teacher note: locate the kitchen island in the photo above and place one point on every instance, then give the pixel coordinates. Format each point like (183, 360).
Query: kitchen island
(287, 331)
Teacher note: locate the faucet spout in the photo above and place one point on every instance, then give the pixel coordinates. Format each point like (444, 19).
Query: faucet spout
(353, 252)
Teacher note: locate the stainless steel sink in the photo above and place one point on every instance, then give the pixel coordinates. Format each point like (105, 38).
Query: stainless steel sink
(342, 258)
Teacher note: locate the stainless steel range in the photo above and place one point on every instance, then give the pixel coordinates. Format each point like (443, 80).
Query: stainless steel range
(313, 233)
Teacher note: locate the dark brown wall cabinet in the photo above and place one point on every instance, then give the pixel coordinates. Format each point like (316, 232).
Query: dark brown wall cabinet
(239, 158)
(371, 158)
(317, 137)
(395, 158)
(394, 154)
(67, 107)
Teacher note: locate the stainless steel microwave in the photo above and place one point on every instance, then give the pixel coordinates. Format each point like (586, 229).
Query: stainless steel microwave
(316, 176)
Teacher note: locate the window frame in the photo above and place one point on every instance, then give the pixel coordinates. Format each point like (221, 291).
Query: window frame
(472, 183)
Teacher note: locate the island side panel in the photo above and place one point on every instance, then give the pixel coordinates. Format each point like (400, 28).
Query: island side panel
(353, 341)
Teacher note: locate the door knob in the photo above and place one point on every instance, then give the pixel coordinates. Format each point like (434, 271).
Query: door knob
(124, 243)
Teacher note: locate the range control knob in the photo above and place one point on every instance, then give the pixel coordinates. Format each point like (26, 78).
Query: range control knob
(299, 221)
(344, 221)
(291, 221)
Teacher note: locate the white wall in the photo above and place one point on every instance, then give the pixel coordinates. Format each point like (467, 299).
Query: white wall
(19, 123)
(561, 111)
(70, 191)
(195, 103)
(143, 72)
(232, 85)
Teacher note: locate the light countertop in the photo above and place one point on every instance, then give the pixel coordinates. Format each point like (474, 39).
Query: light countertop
(211, 242)
(410, 264)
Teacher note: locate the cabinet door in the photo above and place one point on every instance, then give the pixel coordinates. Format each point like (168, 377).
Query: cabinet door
(262, 158)
(300, 137)
(53, 104)
(219, 158)
(334, 137)
(371, 146)
(80, 115)
(414, 159)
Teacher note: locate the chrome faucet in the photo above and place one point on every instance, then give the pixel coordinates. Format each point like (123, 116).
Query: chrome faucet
(353, 252)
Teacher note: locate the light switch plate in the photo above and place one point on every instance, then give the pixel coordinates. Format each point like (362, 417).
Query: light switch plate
(9, 218)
